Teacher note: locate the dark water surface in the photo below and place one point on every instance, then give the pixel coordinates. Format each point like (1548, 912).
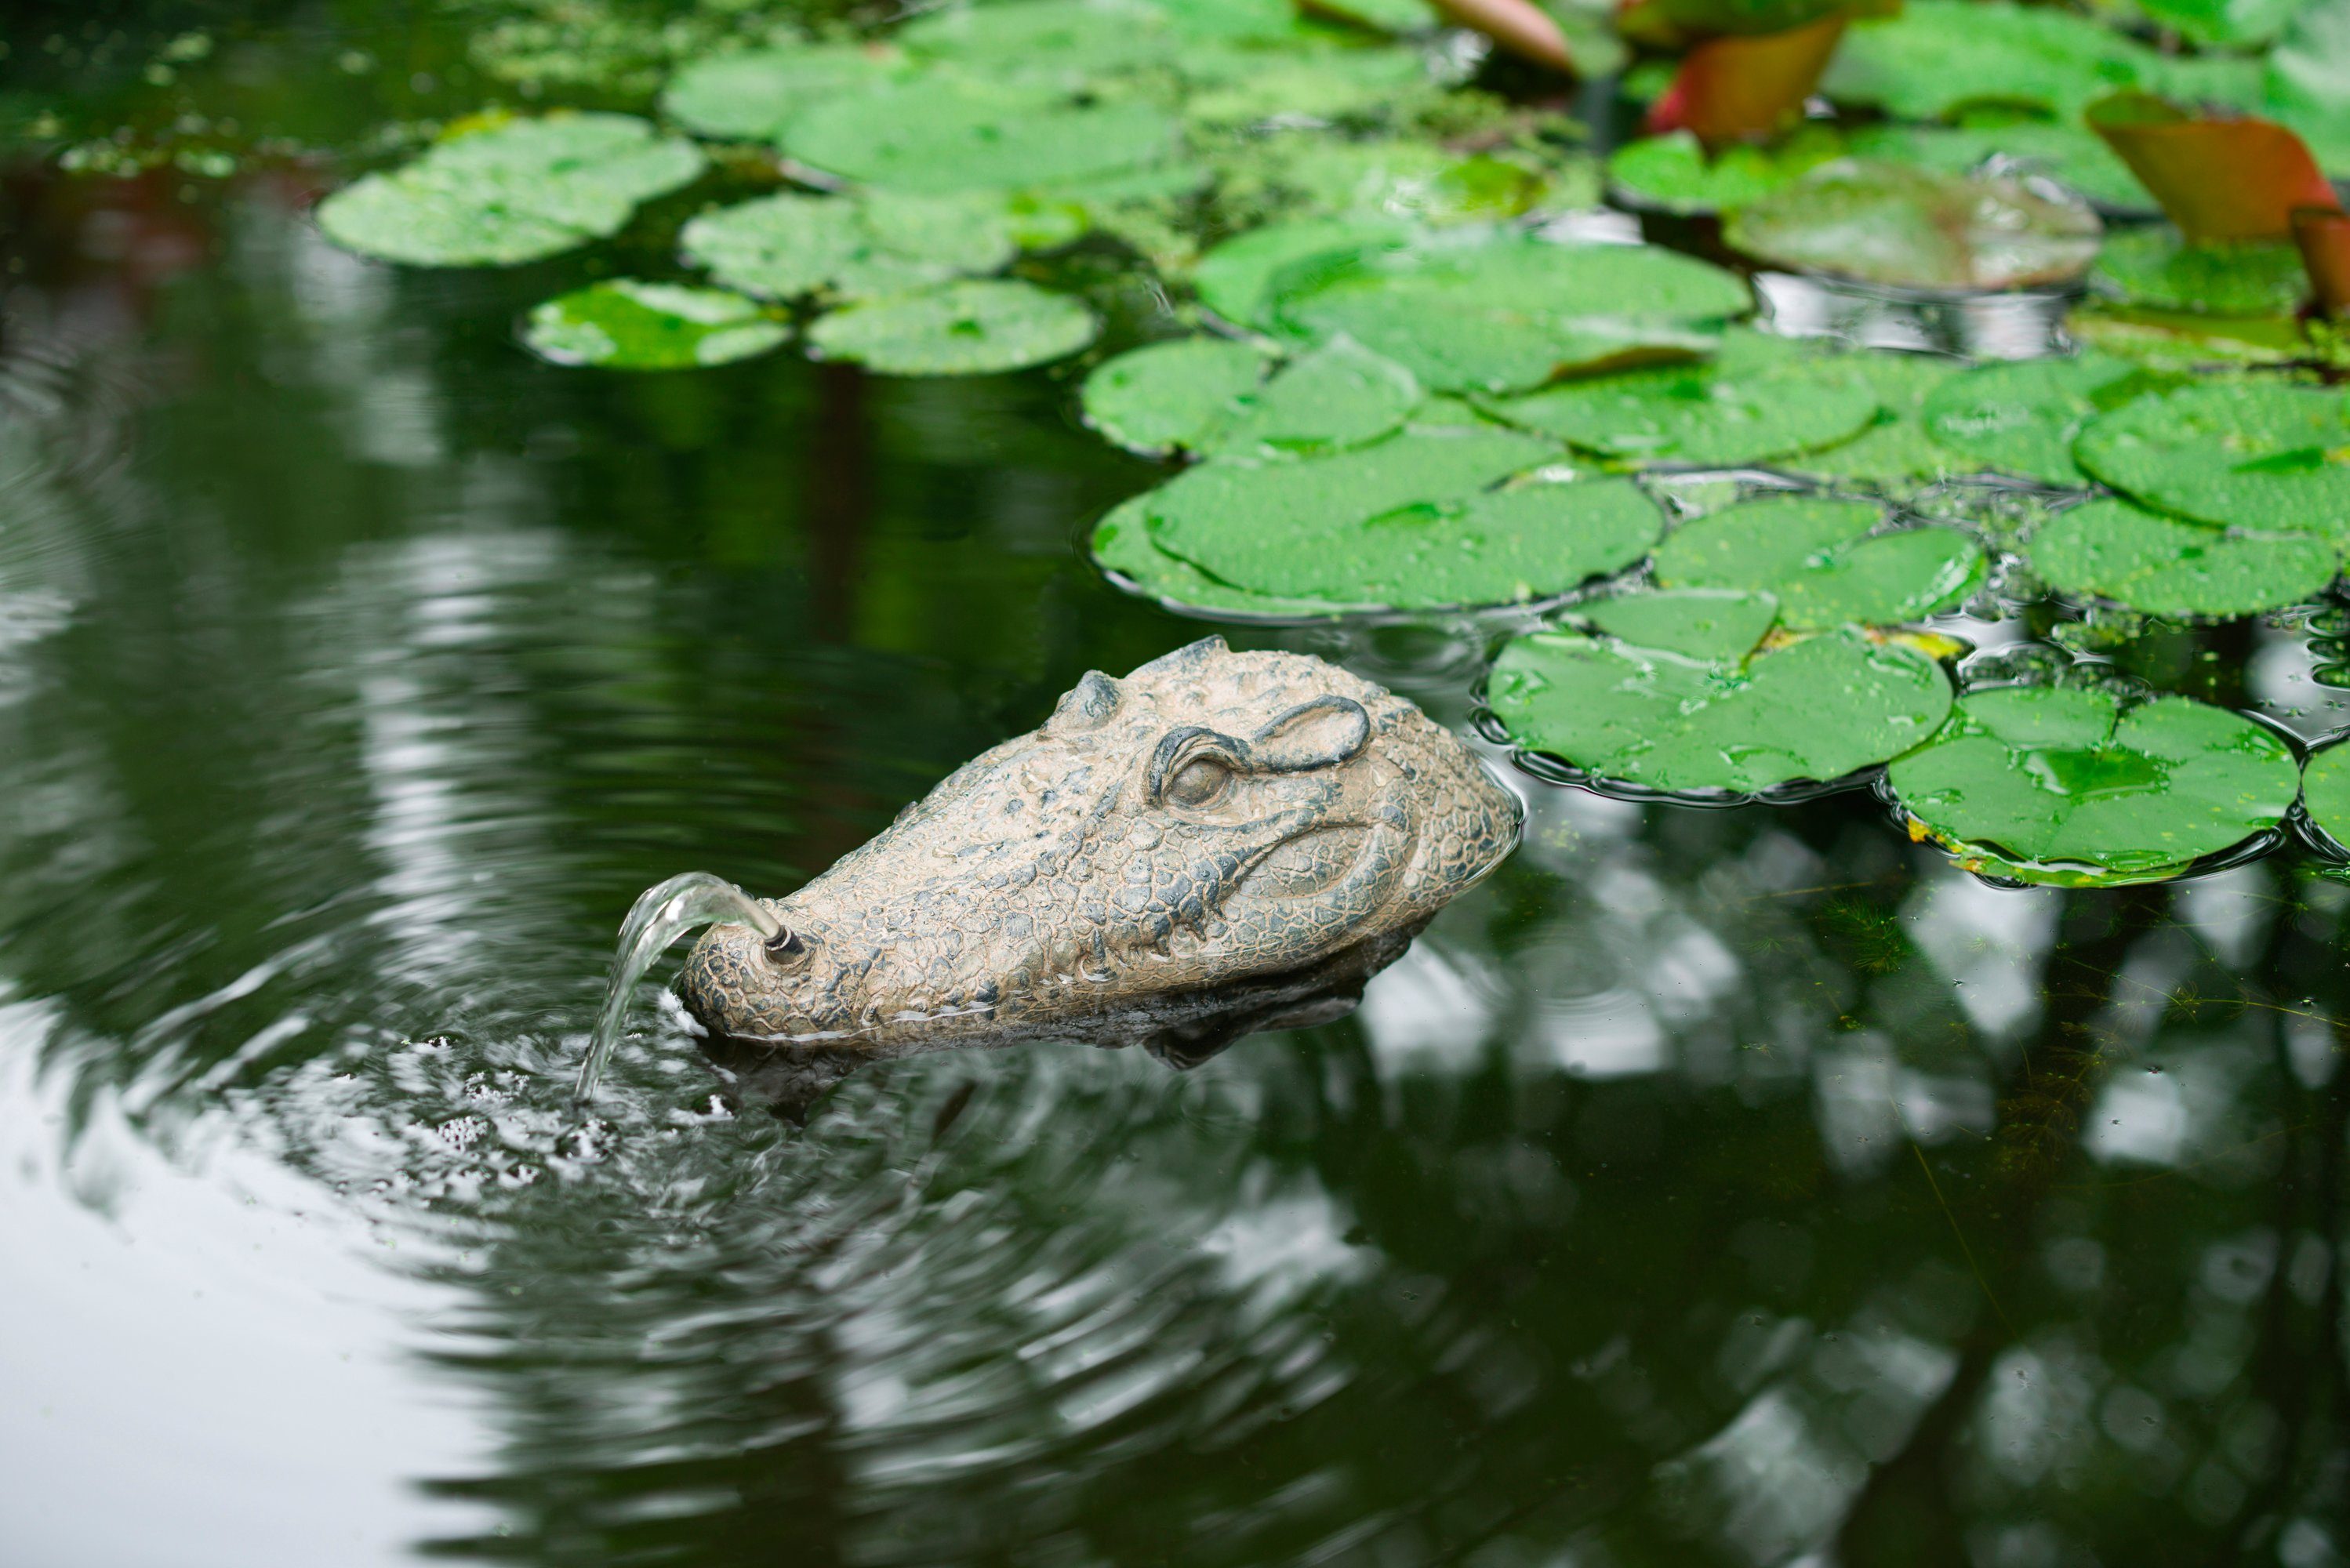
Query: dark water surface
(1710, 1186)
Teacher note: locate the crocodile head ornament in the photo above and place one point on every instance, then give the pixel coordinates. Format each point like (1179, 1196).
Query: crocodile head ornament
(1217, 834)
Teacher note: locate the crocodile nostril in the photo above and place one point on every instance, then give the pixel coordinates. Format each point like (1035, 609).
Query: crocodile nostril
(785, 943)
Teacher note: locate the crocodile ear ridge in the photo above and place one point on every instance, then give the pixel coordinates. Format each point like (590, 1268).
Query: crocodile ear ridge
(1190, 655)
(1319, 733)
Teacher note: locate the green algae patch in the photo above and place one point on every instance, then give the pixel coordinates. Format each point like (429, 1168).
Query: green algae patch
(752, 95)
(628, 324)
(2022, 416)
(2256, 454)
(1902, 227)
(960, 329)
(784, 246)
(1162, 396)
(2156, 266)
(2060, 786)
(2163, 566)
(517, 191)
(950, 134)
(1497, 312)
(1824, 562)
(1674, 173)
(1820, 708)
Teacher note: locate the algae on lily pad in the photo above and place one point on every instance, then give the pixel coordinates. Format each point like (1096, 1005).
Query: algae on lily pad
(2258, 453)
(1675, 173)
(1824, 561)
(1902, 227)
(514, 191)
(957, 329)
(1162, 396)
(2156, 266)
(751, 96)
(1820, 708)
(2021, 415)
(628, 324)
(2166, 567)
(1498, 312)
(2058, 785)
(951, 134)
(882, 242)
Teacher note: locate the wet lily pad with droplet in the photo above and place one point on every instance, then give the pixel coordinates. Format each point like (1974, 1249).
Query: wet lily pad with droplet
(2325, 793)
(1302, 174)
(2156, 266)
(950, 134)
(1900, 227)
(516, 192)
(1819, 708)
(751, 96)
(1497, 312)
(782, 247)
(1823, 561)
(958, 330)
(1122, 544)
(1937, 58)
(1758, 402)
(2021, 415)
(2258, 453)
(1325, 83)
(2163, 566)
(1339, 395)
(1073, 43)
(1162, 396)
(1894, 456)
(1674, 173)
(2179, 340)
(1235, 278)
(2229, 23)
(628, 324)
(2062, 150)
(2059, 787)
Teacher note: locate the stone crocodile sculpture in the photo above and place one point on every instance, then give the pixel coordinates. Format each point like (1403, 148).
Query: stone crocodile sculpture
(1219, 842)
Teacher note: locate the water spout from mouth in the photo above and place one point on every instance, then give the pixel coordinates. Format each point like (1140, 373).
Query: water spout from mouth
(661, 914)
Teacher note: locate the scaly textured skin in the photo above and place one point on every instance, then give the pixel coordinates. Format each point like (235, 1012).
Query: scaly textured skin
(1213, 818)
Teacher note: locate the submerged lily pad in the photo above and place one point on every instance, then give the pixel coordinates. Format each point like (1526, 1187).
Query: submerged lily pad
(1820, 708)
(2155, 266)
(1235, 278)
(1674, 172)
(2165, 566)
(1910, 228)
(2058, 785)
(1496, 312)
(517, 191)
(959, 329)
(1823, 561)
(950, 134)
(780, 246)
(2023, 415)
(2258, 453)
(628, 324)
(1162, 396)
(752, 95)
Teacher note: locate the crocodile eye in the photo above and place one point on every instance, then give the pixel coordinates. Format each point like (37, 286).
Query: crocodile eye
(1201, 783)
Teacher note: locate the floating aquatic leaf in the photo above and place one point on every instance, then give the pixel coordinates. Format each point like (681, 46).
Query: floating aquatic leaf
(1303, 173)
(1673, 173)
(950, 134)
(1911, 228)
(2305, 81)
(958, 330)
(2182, 340)
(2061, 151)
(752, 95)
(1697, 623)
(1162, 396)
(1935, 57)
(1823, 561)
(2154, 266)
(1746, 85)
(2162, 566)
(1495, 312)
(1895, 455)
(516, 192)
(1333, 84)
(1235, 278)
(780, 246)
(1380, 15)
(2023, 415)
(2258, 453)
(2223, 177)
(2058, 785)
(2229, 23)
(628, 324)
(1761, 399)
(2326, 792)
(1248, 524)
(1339, 395)
(1820, 708)
(1069, 42)
(1122, 544)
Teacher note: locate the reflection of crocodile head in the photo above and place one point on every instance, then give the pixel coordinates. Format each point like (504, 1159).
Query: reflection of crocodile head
(1216, 820)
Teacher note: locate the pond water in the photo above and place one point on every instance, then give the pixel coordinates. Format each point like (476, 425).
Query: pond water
(1710, 1185)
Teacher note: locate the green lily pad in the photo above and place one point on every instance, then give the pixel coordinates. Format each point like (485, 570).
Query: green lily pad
(2023, 415)
(1326, 84)
(2156, 266)
(1067, 41)
(1249, 523)
(1759, 400)
(1498, 312)
(626, 324)
(941, 135)
(1937, 58)
(1673, 173)
(2179, 340)
(782, 246)
(2325, 793)
(1823, 561)
(1235, 278)
(2059, 787)
(2229, 23)
(1122, 544)
(958, 330)
(1379, 16)
(2069, 154)
(2305, 81)
(2257, 453)
(1302, 172)
(1911, 228)
(514, 192)
(1895, 455)
(1162, 396)
(1339, 395)
(751, 96)
(1696, 623)
(1820, 708)
(2164, 566)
